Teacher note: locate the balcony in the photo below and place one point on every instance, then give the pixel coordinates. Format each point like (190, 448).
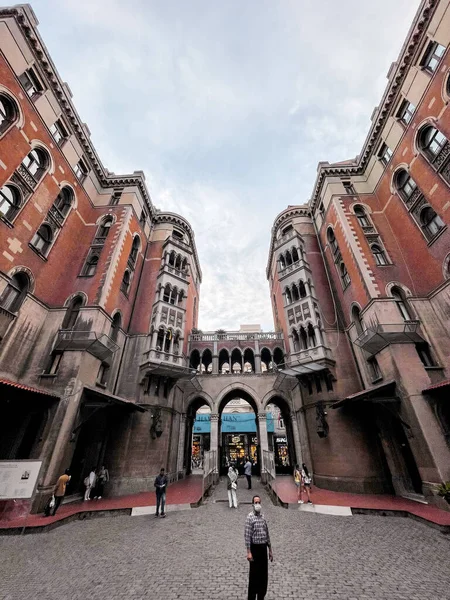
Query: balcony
(6, 318)
(284, 238)
(235, 336)
(378, 336)
(311, 355)
(99, 345)
(168, 364)
(291, 268)
(177, 272)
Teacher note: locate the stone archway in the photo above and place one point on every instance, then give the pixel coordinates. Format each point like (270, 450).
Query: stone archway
(287, 436)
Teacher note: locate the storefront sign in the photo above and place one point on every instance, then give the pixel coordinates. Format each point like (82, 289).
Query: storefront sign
(18, 478)
(232, 423)
(280, 440)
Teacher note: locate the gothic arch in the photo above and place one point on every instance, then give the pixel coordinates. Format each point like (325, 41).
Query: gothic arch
(246, 389)
(72, 296)
(27, 271)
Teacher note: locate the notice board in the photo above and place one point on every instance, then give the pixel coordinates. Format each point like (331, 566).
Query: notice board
(18, 478)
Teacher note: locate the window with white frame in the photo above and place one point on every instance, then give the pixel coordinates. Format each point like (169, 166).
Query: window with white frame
(8, 113)
(10, 201)
(59, 132)
(379, 254)
(31, 83)
(432, 57)
(384, 154)
(42, 239)
(405, 112)
(81, 170)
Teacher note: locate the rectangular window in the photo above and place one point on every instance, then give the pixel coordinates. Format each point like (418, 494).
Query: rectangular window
(406, 112)
(59, 132)
(115, 198)
(81, 170)
(310, 389)
(321, 210)
(318, 384)
(432, 57)
(329, 382)
(157, 385)
(53, 364)
(374, 368)
(287, 229)
(31, 83)
(103, 373)
(148, 385)
(177, 234)
(385, 154)
(423, 350)
(349, 189)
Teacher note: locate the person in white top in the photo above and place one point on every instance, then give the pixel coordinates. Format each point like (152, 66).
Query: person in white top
(306, 483)
(248, 472)
(231, 487)
(89, 482)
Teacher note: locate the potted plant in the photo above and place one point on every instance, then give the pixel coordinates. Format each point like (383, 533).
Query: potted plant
(444, 491)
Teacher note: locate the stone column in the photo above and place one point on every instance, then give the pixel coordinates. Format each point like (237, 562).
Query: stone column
(215, 364)
(214, 442)
(291, 344)
(154, 339)
(166, 258)
(263, 440)
(296, 436)
(181, 443)
(318, 333)
(257, 357)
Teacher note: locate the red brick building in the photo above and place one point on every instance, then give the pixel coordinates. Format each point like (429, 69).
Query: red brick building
(360, 284)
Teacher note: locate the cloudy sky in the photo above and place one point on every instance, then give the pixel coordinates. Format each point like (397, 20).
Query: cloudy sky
(227, 106)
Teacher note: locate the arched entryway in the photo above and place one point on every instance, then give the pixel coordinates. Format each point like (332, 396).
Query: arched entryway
(197, 434)
(282, 439)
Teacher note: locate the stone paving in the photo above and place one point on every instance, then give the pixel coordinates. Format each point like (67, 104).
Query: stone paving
(200, 554)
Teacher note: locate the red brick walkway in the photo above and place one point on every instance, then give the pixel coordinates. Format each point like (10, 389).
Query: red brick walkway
(286, 491)
(185, 491)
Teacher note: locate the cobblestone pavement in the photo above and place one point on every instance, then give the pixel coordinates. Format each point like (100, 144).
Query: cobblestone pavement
(200, 554)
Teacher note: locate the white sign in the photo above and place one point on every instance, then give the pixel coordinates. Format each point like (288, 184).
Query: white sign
(18, 478)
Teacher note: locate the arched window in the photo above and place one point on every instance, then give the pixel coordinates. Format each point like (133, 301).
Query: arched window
(311, 336)
(302, 289)
(431, 222)
(10, 201)
(278, 357)
(134, 250)
(194, 360)
(63, 202)
(184, 264)
(362, 217)
(8, 113)
(357, 320)
(42, 239)
(295, 294)
(224, 361)
(166, 294)
(15, 292)
(288, 258)
(173, 295)
(379, 254)
(104, 228)
(431, 142)
(344, 274)
(266, 357)
(36, 163)
(116, 324)
(402, 305)
(91, 266)
(172, 259)
(178, 262)
(332, 240)
(303, 339)
(180, 297)
(282, 262)
(295, 256)
(288, 296)
(160, 338)
(249, 361)
(125, 285)
(295, 340)
(72, 312)
(405, 184)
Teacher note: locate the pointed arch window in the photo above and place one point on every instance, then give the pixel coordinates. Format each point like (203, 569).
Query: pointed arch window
(134, 251)
(332, 240)
(15, 292)
(73, 310)
(116, 324)
(405, 184)
(125, 285)
(282, 262)
(104, 228)
(431, 222)
(295, 294)
(288, 296)
(303, 339)
(288, 258)
(311, 336)
(401, 302)
(63, 202)
(431, 142)
(295, 256)
(42, 239)
(362, 217)
(10, 202)
(357, 320)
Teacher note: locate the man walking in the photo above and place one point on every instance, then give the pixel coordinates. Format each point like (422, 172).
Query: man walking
(60, 490)
(248, 472)
(257, 541)
(161, 482)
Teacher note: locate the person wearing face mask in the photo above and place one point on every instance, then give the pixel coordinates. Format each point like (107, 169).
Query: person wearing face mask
(257, 542)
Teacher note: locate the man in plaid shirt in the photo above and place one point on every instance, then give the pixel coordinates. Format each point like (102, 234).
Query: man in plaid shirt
(257, 541)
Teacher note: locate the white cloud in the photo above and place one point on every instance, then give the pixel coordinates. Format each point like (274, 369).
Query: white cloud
(227, 107)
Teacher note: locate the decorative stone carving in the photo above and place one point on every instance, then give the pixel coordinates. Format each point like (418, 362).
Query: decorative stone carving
(26, 176)
(442, 156)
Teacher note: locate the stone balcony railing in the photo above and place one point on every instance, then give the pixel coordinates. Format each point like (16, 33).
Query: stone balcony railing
(291, 268)
(314, 354)
(173, 271)
(99, 345)
(175, 358)
(6, 318)
(284, 238)
(235, 336)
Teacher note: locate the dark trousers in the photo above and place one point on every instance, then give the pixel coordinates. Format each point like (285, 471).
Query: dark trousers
(257, 582)
(99, 489)
(249, 481)
(58, 500)
(160, 501)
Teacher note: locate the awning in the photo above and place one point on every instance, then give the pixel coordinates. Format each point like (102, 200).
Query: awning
(437, 387)
(385, 392)
(27, 388)
(97, 398)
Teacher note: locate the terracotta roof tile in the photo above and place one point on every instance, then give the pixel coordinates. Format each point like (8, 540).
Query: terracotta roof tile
(26, 388)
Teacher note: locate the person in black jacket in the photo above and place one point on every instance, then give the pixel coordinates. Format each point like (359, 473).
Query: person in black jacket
(161, 482)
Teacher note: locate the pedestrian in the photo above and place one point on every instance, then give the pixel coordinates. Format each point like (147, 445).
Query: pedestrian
(89, 482)
(298, 482)
(232, 487)
(60, 491)
(248, 472)
(306, 483)
(257, 542)
(161, 482)
(102, 478)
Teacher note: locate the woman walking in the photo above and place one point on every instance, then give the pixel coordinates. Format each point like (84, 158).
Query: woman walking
(102, 478)
(231, 487)
(298, 482)
(89, 482)
(306, 483)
